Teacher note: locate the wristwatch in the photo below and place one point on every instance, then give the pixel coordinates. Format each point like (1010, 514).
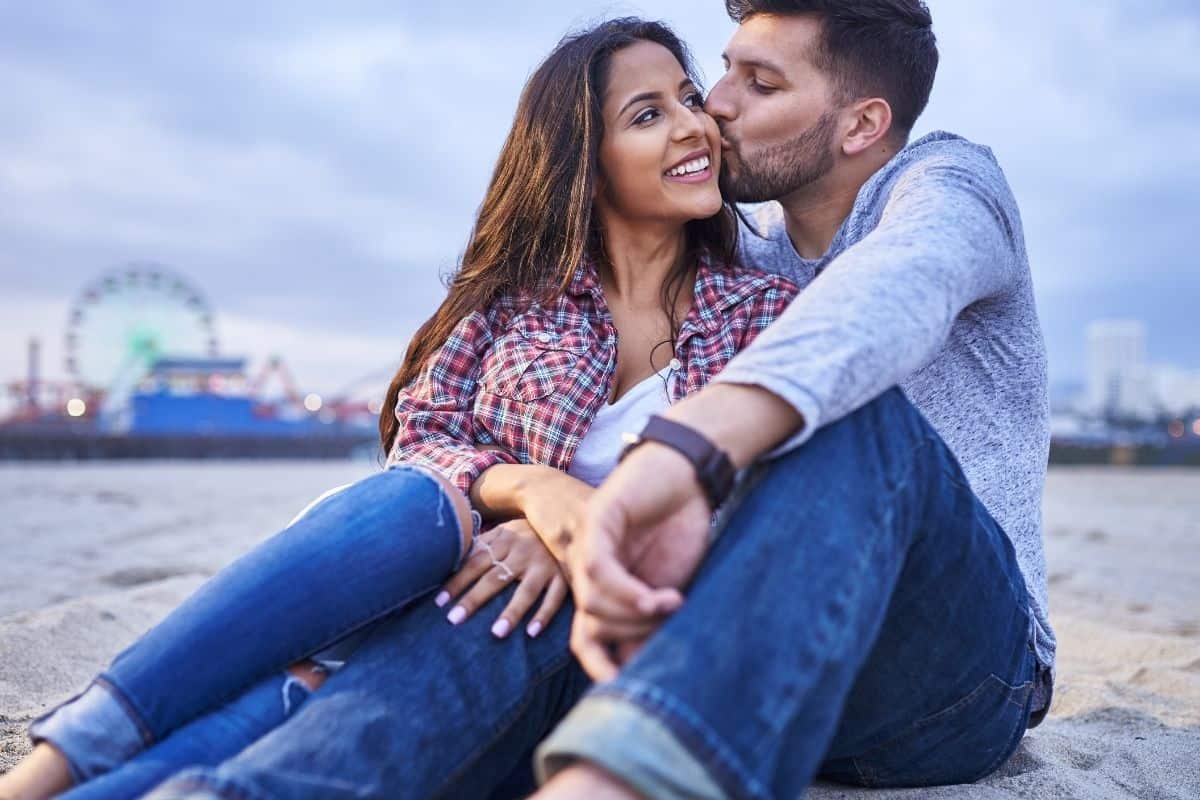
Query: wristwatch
(714, 470)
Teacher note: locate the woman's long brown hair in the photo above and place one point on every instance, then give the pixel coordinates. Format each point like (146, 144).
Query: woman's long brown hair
(535, 224)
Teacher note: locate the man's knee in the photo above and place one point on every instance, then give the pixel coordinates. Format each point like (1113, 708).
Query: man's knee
(889, 414)
(889, 424)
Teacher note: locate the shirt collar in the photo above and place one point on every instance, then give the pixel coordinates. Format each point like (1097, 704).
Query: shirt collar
(716, 289)
(586, 280)
(719, 289)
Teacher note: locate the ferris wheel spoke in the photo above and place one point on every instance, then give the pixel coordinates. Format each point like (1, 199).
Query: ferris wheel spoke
(129, 317)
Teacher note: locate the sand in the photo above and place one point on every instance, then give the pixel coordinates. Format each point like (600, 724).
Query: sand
(92, 555)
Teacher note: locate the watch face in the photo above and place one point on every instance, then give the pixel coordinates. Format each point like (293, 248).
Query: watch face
(628, 442)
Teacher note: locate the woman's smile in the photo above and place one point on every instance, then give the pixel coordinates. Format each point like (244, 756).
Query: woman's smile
(695, 167)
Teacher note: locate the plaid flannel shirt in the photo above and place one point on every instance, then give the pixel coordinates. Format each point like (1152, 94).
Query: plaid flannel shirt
(528, 378)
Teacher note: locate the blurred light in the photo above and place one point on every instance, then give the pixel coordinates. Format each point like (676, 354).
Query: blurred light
(374, 406)
(1176, 429)
(76, 407)
(1196, 427)
(313, 402)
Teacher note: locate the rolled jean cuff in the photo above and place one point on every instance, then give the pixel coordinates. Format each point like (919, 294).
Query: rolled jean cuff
(94, 731)
(630, 743)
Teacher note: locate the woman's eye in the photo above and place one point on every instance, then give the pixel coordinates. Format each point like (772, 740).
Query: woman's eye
(694, 100)
(645, 116)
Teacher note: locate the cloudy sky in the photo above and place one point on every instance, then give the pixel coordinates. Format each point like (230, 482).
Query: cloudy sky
(313, 167)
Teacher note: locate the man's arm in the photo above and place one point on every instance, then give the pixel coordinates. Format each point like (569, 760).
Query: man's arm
(879, 312)
(947, 238)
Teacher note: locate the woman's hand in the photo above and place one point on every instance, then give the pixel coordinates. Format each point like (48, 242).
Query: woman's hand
(555, 505)
(552, 501)
(509, 552)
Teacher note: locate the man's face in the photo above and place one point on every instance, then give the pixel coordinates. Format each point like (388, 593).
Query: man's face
(775, 109)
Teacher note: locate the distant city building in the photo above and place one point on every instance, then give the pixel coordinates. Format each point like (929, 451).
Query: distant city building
(1122, 384)
(1176, 390)
(1118, 377)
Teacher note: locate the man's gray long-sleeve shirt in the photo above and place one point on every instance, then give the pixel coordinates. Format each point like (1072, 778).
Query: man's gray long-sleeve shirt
(926, 286)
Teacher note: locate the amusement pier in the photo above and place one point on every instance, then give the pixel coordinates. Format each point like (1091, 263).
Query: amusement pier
(146, 379)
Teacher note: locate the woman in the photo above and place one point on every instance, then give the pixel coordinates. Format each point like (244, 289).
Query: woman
(597, 287)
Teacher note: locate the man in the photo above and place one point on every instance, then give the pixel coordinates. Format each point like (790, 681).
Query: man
(863, 615)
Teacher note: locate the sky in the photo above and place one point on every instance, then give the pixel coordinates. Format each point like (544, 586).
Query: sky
(313, 168)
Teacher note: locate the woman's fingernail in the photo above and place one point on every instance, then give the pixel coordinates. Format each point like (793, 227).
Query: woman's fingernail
(457, 615)
(442, 598)
(501, 628)
(534, 628)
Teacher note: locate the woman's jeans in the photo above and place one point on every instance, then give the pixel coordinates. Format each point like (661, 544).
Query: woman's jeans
(349, 560)
(861, 617)
(205, 741)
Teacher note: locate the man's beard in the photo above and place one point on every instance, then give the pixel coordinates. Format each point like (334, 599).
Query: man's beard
(779, 170)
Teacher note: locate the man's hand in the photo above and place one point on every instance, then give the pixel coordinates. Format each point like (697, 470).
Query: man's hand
(646, 528)
(645, 533)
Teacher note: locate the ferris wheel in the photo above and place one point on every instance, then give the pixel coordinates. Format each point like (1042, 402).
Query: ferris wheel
(129, 317)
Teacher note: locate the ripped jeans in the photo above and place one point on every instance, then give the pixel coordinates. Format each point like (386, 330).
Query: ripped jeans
(209, 679)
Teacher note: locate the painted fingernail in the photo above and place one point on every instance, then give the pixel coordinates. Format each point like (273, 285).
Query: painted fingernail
(534, 628)
(501, 628)
(457, 615)
(442, 598)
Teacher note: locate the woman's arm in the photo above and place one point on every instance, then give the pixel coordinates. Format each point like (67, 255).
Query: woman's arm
(542, 507)
(435, 411)
(551, 500)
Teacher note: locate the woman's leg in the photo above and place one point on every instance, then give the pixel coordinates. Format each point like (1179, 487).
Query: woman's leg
(205, 741)
(351, 559)
(423, 709)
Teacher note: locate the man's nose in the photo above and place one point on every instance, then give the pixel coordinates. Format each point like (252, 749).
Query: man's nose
(719, 103)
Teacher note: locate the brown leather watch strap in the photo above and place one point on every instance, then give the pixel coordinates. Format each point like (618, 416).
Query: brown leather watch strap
(714, 470)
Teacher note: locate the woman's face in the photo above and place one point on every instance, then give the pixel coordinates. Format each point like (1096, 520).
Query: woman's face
(660, 153)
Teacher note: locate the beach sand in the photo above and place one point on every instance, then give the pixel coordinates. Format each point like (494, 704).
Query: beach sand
(94, 554)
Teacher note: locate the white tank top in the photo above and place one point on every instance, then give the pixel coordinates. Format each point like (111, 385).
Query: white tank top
(600, 447)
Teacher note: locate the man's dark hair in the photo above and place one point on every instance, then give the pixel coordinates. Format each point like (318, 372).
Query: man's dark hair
(871, 48)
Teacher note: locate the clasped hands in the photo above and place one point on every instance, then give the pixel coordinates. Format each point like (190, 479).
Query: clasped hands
(626, 549)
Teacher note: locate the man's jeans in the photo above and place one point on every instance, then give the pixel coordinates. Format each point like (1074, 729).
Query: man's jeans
(351, 559)
(862, 618)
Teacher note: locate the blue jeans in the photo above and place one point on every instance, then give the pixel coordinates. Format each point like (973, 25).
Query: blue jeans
(352, 559)
(861, 618)
(423, 709)
(209, 739)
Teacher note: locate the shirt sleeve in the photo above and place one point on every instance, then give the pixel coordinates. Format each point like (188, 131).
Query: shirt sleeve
(948, 237)
(436, 410)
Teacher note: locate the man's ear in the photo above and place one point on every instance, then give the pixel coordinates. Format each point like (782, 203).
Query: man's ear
(868, 122)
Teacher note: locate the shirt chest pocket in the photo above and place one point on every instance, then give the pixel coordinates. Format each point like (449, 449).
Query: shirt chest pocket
(532, 359)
